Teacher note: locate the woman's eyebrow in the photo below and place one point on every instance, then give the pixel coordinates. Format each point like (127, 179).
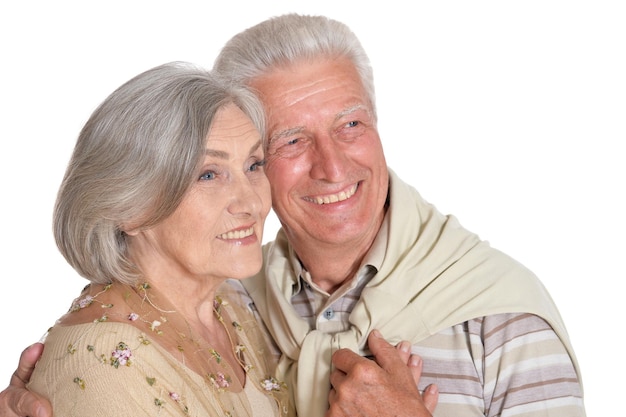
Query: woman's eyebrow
(225, 155)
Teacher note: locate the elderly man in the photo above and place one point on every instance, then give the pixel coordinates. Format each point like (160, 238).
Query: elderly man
(360, 250)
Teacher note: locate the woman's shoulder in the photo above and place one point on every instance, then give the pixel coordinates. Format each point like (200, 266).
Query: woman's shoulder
(96, 303)
(114, 365)
(91, 338)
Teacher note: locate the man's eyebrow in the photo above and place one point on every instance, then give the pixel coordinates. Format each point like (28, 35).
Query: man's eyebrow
(298, 129)
(351, 110)
(285, 133)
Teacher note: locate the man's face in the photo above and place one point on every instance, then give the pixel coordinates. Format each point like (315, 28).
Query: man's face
(326, 166)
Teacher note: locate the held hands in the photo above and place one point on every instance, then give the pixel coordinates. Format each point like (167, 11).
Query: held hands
(386, 386)
(16, 400)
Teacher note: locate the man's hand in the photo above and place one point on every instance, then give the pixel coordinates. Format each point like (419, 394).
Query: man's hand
(16, 400)
(430, 396)
(386, 386)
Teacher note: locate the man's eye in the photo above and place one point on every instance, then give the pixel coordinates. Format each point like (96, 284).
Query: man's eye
(288, 146)
(353, 123)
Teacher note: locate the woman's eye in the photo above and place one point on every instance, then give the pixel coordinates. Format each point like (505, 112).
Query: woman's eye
(209, 175)
(257, 165)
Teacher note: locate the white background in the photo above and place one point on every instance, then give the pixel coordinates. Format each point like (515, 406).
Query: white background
(510, 115)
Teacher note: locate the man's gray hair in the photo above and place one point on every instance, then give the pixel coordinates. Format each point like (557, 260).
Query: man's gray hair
(285, 39)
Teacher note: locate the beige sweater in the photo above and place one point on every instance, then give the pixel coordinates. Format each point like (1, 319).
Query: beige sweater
(460, 277)
(77, 373)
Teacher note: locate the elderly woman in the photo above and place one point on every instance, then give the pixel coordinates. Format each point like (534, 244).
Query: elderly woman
(162, 203)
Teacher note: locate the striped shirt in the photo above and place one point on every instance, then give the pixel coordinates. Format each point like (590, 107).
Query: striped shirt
(501, 365)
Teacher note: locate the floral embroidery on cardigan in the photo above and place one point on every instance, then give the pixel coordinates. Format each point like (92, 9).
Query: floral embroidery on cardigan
(122, 354)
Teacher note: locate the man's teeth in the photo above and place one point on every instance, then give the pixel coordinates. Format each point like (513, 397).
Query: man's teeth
(237, 234)
(333, 198)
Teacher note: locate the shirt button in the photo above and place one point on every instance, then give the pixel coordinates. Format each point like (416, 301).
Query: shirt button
(329, 314)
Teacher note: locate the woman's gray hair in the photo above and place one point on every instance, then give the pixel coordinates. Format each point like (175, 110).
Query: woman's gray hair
(284, 39)
(133, 162)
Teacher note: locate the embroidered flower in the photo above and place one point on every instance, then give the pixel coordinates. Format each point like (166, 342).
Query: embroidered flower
(133, 316)
(121, 355)
(220, 380)
(85, 302)
(154, 326)
(82, 303)
(216, 355)
(271, 384)
(178, 399)
(79, 381)
(102, 319)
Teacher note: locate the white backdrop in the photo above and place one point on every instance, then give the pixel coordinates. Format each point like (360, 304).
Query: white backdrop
(511, 115)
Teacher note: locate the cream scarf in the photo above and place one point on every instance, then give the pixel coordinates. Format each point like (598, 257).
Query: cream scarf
(435, 274)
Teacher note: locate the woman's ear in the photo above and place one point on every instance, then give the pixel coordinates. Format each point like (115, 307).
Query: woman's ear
(129, 230)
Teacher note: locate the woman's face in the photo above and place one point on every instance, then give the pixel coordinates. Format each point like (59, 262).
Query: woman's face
(216, 231)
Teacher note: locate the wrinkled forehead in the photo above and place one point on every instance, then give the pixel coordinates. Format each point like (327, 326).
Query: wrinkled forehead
(305, 87)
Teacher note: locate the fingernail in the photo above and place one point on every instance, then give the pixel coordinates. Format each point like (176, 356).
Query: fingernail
(376, 333)
(432, 389)
(415, 361)
(405, 346)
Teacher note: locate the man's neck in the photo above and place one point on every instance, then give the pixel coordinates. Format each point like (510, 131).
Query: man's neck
(331, 266)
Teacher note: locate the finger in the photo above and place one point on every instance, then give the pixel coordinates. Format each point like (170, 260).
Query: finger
(404, 349)
(345, 359)
(336, 378)
(416, 365)
(22, 402)
(334, 408)
(430, 396)
(385, 354)
(332, 394)
(26, 366)
(16, 398)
